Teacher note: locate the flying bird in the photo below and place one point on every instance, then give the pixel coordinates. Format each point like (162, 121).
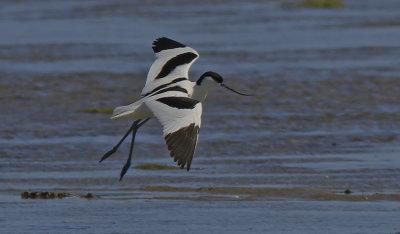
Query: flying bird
(173, 99)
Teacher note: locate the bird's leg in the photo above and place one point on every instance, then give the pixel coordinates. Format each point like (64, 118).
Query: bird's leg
(128, 161)
(115, 148)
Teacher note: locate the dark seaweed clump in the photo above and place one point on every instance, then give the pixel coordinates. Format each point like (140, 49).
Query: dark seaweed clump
(316, 4)
(53, 195)
(97, 111)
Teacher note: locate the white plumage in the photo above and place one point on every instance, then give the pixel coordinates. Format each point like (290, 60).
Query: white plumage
(162, 58)
(173, 99)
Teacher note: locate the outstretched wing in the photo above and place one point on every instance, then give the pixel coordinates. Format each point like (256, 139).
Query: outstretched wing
(173, 61)
(180, 117)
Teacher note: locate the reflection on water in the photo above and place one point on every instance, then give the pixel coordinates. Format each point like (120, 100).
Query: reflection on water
(325, 118)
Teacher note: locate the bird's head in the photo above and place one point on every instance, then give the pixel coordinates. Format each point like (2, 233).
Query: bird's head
(212, 79)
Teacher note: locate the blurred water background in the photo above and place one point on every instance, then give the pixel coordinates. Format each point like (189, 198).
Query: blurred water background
(325, 120)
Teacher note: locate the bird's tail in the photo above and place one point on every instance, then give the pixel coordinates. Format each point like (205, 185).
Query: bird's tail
(125, 111)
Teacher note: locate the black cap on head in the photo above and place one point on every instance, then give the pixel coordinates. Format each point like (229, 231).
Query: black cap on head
(215, 76)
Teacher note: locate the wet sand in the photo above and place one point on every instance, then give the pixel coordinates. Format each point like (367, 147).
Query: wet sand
(316, 149)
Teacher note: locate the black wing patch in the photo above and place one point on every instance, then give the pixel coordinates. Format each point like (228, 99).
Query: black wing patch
(178, 60)
(179, 102)
(165, 85)
(164, 43)
(182, 144)
(173, 88)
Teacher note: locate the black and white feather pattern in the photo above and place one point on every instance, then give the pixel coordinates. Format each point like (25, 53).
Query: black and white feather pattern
(180, 117)
(167, 96)
(182, 144)
(173, 61)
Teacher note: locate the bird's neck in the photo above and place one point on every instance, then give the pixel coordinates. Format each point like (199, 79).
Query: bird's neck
(200, 92)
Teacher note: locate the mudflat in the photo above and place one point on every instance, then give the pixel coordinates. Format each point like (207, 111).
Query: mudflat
(316, 149)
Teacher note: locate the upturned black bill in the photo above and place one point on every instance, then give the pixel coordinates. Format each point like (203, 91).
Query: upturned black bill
(223, 85)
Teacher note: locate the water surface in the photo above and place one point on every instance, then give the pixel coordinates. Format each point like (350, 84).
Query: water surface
(325, 118)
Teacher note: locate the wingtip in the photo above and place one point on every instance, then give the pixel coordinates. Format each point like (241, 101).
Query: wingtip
(164, 43)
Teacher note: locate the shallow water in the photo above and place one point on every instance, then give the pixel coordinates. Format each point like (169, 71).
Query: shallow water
(325, 118)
